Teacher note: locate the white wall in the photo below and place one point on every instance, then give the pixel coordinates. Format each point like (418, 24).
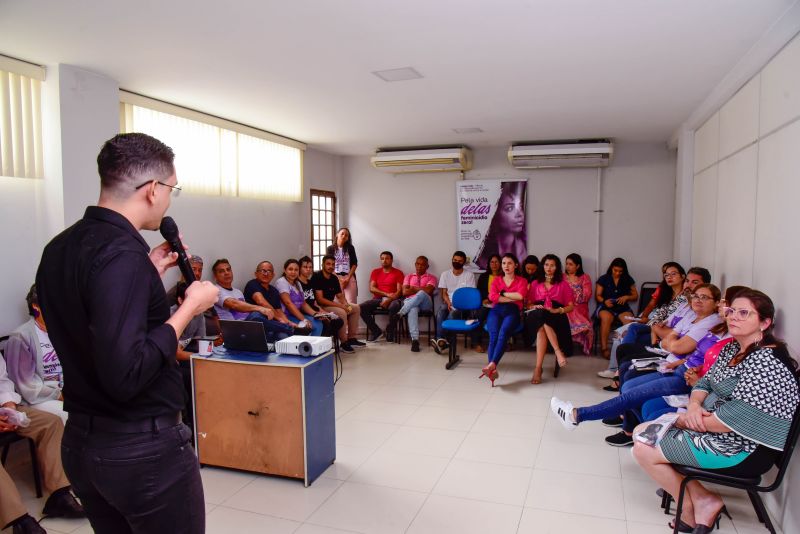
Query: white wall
(80, 113)
(745, 205)
(414, 214)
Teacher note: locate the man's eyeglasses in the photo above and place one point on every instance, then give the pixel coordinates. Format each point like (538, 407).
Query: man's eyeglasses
(266, 271)
(176, 190)
(738, 313)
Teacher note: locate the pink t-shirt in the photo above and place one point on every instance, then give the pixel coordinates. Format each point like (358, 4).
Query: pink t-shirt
(386, 282)
(560, 292)
(518, 285)
(415, 280)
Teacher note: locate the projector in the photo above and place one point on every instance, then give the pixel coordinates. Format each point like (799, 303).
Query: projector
(304, 345)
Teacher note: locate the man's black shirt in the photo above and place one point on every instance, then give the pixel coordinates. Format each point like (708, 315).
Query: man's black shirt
(105, 307)
(330, 287)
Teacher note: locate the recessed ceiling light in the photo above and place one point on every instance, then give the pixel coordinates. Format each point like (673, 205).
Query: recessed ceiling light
(467, 130)
(397, 75)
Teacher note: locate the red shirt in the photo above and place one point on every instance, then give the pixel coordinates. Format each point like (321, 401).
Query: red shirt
(386, 282)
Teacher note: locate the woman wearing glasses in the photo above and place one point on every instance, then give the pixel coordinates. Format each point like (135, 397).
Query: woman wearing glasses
(683, 344)
(739, 413)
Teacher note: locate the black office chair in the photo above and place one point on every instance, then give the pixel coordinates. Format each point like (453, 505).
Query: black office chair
(8, 438)
(646, 291)
(751, 485)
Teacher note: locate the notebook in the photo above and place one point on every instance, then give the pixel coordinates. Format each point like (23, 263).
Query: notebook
(244, 335)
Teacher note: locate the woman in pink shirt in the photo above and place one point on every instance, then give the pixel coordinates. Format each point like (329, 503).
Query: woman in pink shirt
(550, 299)
(506, 294)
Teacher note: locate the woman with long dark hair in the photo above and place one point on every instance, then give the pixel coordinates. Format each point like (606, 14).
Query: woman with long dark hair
(507, 233)
(613, 291)
(346, 263)
(529, 267)
(506, 294)
(293, 300)
(493, 270)
(738, 416)
(580, 324)
(549, 301)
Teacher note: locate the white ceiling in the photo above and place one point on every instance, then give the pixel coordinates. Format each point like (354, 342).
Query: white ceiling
(518, 69)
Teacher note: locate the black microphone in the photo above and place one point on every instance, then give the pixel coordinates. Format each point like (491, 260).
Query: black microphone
(169, 230)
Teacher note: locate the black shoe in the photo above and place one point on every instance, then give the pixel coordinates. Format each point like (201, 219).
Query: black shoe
(375, 336)
(435, 345)
(27, 525)
(62, 504)
(620, 439)
(356, 344)
(390, 336)
(613, 388)
(613, 421)
(346, 348)
(414, 345)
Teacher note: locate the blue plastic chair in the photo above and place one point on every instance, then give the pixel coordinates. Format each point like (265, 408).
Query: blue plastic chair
(465, 299)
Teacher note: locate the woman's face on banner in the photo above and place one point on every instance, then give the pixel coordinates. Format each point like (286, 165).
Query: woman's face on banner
(511, 213)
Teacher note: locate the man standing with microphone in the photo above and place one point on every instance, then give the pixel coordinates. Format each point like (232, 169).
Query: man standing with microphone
(125, 451)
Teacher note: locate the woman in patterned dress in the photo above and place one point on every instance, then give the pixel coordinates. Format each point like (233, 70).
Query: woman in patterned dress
(739, 413)
(579, 323)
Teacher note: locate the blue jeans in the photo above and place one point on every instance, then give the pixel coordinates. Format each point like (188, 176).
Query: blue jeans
(633, 394)
(503, 320)
(420, 301)
(275, 330)
(442, 314)
(316, 326)
(655, 408)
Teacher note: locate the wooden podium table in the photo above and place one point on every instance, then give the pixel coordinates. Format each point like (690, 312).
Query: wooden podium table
(267, 413)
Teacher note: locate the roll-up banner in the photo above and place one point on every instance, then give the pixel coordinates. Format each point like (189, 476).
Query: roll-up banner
(491, 219)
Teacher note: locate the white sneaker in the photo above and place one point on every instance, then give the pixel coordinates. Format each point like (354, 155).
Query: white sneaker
(607, 373)
(563, 410)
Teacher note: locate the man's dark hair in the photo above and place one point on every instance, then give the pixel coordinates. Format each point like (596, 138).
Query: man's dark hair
(306, 259)
(387, 253)
(129, 160)
(32, 298)
(702, 272)
(218, 263)
(424, 258)
(461, 254)
(327, 257)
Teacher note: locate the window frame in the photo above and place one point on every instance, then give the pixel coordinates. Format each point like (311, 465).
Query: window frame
(317, 193)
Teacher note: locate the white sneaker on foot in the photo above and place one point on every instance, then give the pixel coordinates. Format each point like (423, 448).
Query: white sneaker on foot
(607, 373)
(563, 410)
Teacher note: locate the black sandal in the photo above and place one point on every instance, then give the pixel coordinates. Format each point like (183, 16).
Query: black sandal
(614, 387)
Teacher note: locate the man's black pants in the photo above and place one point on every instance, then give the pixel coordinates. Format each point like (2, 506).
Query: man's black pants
(144, 482)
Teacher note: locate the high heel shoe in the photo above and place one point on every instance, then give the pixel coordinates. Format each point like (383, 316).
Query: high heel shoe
(705, 529)
(561, 358)
(537, 376)
(682, 526)
(490, 373)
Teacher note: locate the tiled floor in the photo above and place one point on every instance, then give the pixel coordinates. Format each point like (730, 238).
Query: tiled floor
(425, 450)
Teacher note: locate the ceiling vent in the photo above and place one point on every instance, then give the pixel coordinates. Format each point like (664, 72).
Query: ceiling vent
(405, 160)
(558, 154)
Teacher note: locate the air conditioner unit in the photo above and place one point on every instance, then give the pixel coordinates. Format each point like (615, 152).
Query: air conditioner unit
(458, 158)
(556, 154)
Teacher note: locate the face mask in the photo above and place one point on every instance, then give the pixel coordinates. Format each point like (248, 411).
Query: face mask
(457, 265)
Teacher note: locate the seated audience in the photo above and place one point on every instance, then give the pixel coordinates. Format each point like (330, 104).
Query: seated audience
(346, 263)
(684, 343)
(485, 280)
(529, 267)
(449, 281)
(614, 290)
(331, 324)
(549, 301)
(506, 294)
(738, 417)
(259, 291)
(418, 288)
(580, 324)
(292, 299)
(386, 286)
(33, 364)
(232, 306)
(328, 294)
(46, 431)
(195, 329)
